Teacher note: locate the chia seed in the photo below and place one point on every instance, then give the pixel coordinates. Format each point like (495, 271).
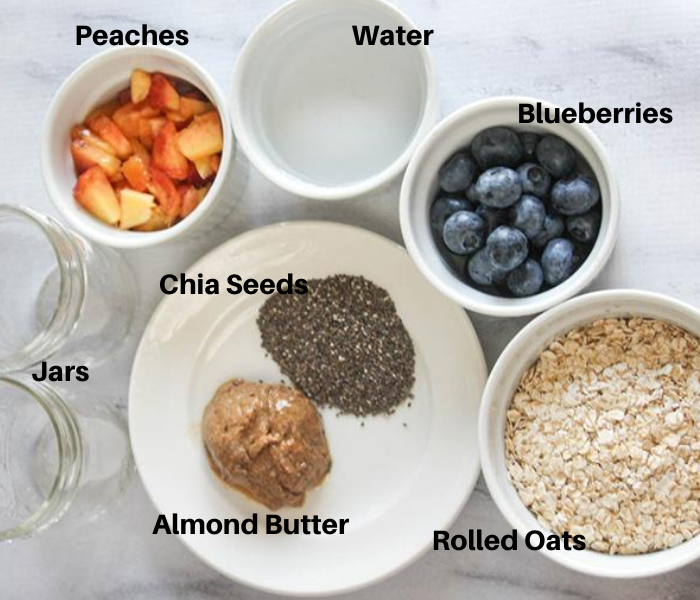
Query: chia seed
(342, 344)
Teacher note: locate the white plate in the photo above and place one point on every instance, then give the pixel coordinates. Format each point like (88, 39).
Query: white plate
(396, 478)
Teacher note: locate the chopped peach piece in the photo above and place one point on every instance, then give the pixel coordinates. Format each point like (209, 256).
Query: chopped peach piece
(110, 133)
(166, 155)
(136, 208)
(141, 151)
(162, 94)
(86, 156)
(204, 167)
(149, 128)
(202, 137)
(191, 197)
(140, 85)
(192, 107)
(145, 133)
(94, 193)
(136, 172)
(78, 132)
(207, 166)
(128, 116)
(159, 220)
(162, 187)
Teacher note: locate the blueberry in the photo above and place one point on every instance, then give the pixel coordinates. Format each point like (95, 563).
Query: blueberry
(584, 228)
(575, 195)
(528, 215)
(555, 155)
(457, 173)
(464, 232)
(483, 271)
(552, 227)
(493, 216)
(525, 280)
(558, 261)
(506, 247)
(534, 179)
(529, 141)
(498, 187)
(443, 208)
(497, 146)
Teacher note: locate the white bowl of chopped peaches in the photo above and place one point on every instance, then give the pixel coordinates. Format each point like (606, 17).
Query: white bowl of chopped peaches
(136, 147)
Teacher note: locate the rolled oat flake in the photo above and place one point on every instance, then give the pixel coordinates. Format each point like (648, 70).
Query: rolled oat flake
(342, 343)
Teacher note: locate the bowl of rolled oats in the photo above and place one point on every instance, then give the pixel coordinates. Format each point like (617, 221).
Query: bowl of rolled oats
(590, 425)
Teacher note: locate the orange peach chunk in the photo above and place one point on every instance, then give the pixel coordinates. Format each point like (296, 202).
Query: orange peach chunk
(140, 85)
(94, 192)
(203, 137)
(86, 156)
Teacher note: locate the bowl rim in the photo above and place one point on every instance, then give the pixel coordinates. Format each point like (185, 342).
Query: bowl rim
(464, 294)
(281, 177)
(115, 237)
(487, 435)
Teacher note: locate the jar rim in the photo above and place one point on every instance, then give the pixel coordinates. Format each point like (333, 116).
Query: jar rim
(70, 457)
(72, 290)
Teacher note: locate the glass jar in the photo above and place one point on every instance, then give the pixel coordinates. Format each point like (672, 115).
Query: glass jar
(61, 297)
(61, 453)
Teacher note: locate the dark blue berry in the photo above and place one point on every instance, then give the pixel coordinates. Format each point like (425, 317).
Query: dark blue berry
(584, 228)
(558, 261)
(483, 271)
(529, 141)
(575, 195)
(498, 187)
(525, 280)
(534, 179)
(553, 227)
(497, 146)
(493, 216)
(506, 247)
(457, 173)
(443, 208)
(528, 215)
(555, 155)
(464, 232)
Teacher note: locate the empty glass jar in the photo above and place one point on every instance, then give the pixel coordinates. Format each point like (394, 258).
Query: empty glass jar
(60, 453)
(60, 296)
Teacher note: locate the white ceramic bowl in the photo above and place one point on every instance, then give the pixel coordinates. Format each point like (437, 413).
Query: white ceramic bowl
(96, 81)
(323, 117)
(420, 187)
(520, 353)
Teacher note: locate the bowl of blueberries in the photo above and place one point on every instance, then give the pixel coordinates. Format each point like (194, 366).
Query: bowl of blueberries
(509, 219)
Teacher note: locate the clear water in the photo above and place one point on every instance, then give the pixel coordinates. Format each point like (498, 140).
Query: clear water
(332, 112)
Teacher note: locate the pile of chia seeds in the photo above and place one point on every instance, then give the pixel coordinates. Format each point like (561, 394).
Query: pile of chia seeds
(342, 344)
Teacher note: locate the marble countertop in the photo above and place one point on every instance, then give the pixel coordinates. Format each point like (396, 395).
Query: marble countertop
(602, 52)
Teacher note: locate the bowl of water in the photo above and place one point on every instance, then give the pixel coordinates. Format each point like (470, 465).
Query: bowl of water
(324, 116)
